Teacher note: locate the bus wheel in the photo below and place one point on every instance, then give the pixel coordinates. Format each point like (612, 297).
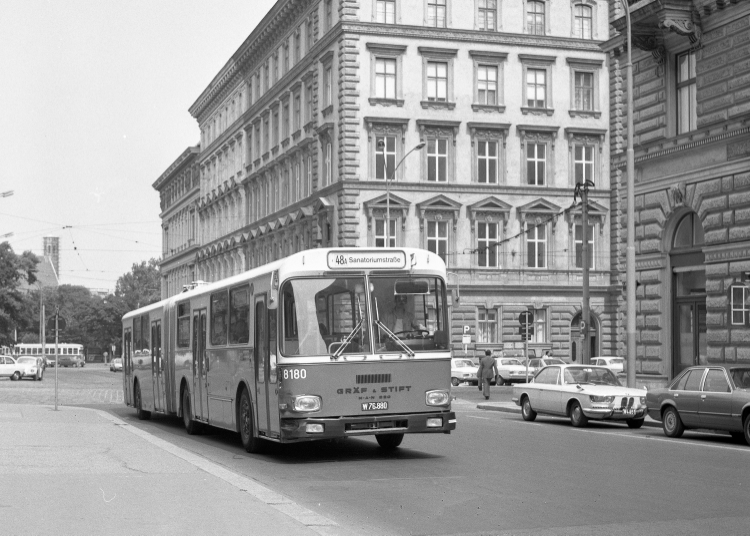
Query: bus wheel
(142, 415)
(389, 441)
(192, 426)
(252, 444)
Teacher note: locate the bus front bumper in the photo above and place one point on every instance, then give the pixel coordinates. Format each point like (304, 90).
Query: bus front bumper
(326, 428)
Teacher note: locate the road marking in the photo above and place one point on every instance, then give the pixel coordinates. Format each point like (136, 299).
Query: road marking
(676, 441)
(315, 522)
(475, 417)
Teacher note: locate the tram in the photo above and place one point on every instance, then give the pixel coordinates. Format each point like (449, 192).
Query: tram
(325, 343)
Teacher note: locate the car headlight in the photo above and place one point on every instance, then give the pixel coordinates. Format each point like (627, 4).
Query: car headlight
(437, 398)
(608, 399)
(643, 401)
(306, 403)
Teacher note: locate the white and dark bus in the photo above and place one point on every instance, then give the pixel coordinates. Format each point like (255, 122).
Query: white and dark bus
(325, 343)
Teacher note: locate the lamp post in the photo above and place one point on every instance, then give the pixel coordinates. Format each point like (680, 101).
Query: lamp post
(388, 178)
(630, 250)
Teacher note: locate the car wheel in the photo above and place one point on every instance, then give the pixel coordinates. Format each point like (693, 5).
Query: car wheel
(527, 413)
(389, 441)
(746, 429)
(140, 412)
(634, 423)
(672, 423)
(252, 444)
(191, 426)
(455, 382)
(500, 380)
(577, 418)
(16, 376)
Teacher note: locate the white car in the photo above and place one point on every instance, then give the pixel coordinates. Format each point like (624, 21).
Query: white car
(463, 370)
(580, 392)
(510, 369)
(116, 364)
(33, 367)
(9, 368)
(615, 364)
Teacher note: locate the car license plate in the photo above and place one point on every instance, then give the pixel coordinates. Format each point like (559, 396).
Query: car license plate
(628, 411)
(374, 406)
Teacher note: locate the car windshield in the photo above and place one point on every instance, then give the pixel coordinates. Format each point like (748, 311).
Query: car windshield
(554, 361)
(30, 360)
(510, 362)
(590, 375)
(741, 377)
(463, 363)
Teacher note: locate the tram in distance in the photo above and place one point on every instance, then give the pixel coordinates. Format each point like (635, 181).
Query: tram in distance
(325, 343)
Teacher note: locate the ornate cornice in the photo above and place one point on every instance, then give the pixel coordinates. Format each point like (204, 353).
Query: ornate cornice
(727, 252)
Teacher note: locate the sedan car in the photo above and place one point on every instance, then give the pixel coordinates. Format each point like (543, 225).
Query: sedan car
(70, 361)
(615, 364)
(116, 364)
(536, 364)
(463, 370)
(580, 392)
(510, 369)
(34, 367)
(9, 368)
(714, 397)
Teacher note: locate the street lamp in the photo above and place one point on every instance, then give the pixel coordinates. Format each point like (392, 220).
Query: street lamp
(630, 250)
(388, 178)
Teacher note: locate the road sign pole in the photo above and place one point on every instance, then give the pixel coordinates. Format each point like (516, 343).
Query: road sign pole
(57, 365)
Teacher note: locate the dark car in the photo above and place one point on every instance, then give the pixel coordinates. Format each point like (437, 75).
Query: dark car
(716, 397)
(70, 360)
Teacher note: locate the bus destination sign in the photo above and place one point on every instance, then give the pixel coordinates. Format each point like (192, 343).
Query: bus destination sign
(361, 259)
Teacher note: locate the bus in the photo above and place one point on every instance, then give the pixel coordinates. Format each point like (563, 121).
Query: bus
(303, 348)
(70, 353)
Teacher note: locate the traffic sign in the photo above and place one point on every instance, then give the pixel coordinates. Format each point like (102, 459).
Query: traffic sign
(526, 318)
(61, 323)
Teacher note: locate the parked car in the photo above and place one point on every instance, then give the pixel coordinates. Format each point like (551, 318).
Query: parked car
(615, 364)
(50, 360)
(580, 392)
(9, 368)
(463, 370)
(537, 363)
(511, 370)
(116, 364)
(70, 360)
(34, 367)
(714, 397)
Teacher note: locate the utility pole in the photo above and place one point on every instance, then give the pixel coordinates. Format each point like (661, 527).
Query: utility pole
(388, 178)
(582, 189)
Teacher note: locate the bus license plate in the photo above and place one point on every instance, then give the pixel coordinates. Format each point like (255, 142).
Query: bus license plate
(374, 406)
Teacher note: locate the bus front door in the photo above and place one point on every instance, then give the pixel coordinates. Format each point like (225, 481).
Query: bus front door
(157, 366)
(200, 366)
(272, 392)
(127, 365)
(261, 360)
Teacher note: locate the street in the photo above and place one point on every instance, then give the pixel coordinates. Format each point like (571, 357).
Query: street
(496, 474)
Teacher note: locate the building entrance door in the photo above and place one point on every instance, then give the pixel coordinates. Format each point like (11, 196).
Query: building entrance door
(690, 333)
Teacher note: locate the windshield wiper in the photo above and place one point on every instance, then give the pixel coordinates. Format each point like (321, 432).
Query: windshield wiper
(395, 338)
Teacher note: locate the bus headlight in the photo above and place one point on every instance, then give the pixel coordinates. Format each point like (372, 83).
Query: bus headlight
(437, 398)
(306, 403)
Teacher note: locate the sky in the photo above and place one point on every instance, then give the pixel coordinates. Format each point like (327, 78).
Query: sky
(94, 98)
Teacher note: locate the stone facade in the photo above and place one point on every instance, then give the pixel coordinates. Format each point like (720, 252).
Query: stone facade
(685, 169)
(509, 110)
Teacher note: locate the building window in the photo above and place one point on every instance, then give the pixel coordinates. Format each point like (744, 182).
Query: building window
(437, 81)
(329, 164)
(584, 91)
(297, 46)
(486, 15)
(275, 127)
(536, 88)
(535, 17)
(582, 21)
(385, 11)
(385, 157)
(276, 66)
(266, 132)
(687, 115)
(487, 84)
(297, 112)
(297, 182)
(437, 238)
(536, 163)
(583, 163)
(579, 245)
(539, 333)
(487, 324)
(536, 246)
(310, 34)
(329, 14)
(436, 11)
(437, 160)
(329, 86)
(487, 244)
(385, 78)
(380, 238)
(740, 305)
(266, 76)
(487, 162)
(286, 57)
(308, 186)
(285, 120)
(309, 103)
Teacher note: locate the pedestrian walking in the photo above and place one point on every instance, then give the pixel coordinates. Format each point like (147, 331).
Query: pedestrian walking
(487, 365)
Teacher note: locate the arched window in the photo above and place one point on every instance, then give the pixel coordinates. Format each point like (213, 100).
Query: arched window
(689, 233)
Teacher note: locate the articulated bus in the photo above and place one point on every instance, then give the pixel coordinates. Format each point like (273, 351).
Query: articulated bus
(69, 352)
(325, 343)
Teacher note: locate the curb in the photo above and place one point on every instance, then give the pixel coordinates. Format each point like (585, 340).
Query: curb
(648, 421)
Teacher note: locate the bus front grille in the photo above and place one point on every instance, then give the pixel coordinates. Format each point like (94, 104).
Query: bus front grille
(378, 425)
(373, 378)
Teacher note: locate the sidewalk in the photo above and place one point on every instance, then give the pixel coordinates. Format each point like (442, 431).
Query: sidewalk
(84, 471)
(511, 407)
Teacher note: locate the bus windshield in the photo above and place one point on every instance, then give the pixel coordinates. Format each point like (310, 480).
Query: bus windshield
(324, 316)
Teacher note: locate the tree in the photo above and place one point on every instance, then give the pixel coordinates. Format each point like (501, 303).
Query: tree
(141, 286)
(14, 269)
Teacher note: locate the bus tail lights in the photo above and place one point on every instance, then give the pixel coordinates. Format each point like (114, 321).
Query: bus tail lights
(438, 397)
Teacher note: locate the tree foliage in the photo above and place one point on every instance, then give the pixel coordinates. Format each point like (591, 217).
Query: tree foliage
(141, 286)
(13, 270)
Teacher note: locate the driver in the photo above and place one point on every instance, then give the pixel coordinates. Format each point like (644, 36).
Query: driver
(400, 319)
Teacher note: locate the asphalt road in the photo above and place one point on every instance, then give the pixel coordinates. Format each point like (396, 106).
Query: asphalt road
(496, 474)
